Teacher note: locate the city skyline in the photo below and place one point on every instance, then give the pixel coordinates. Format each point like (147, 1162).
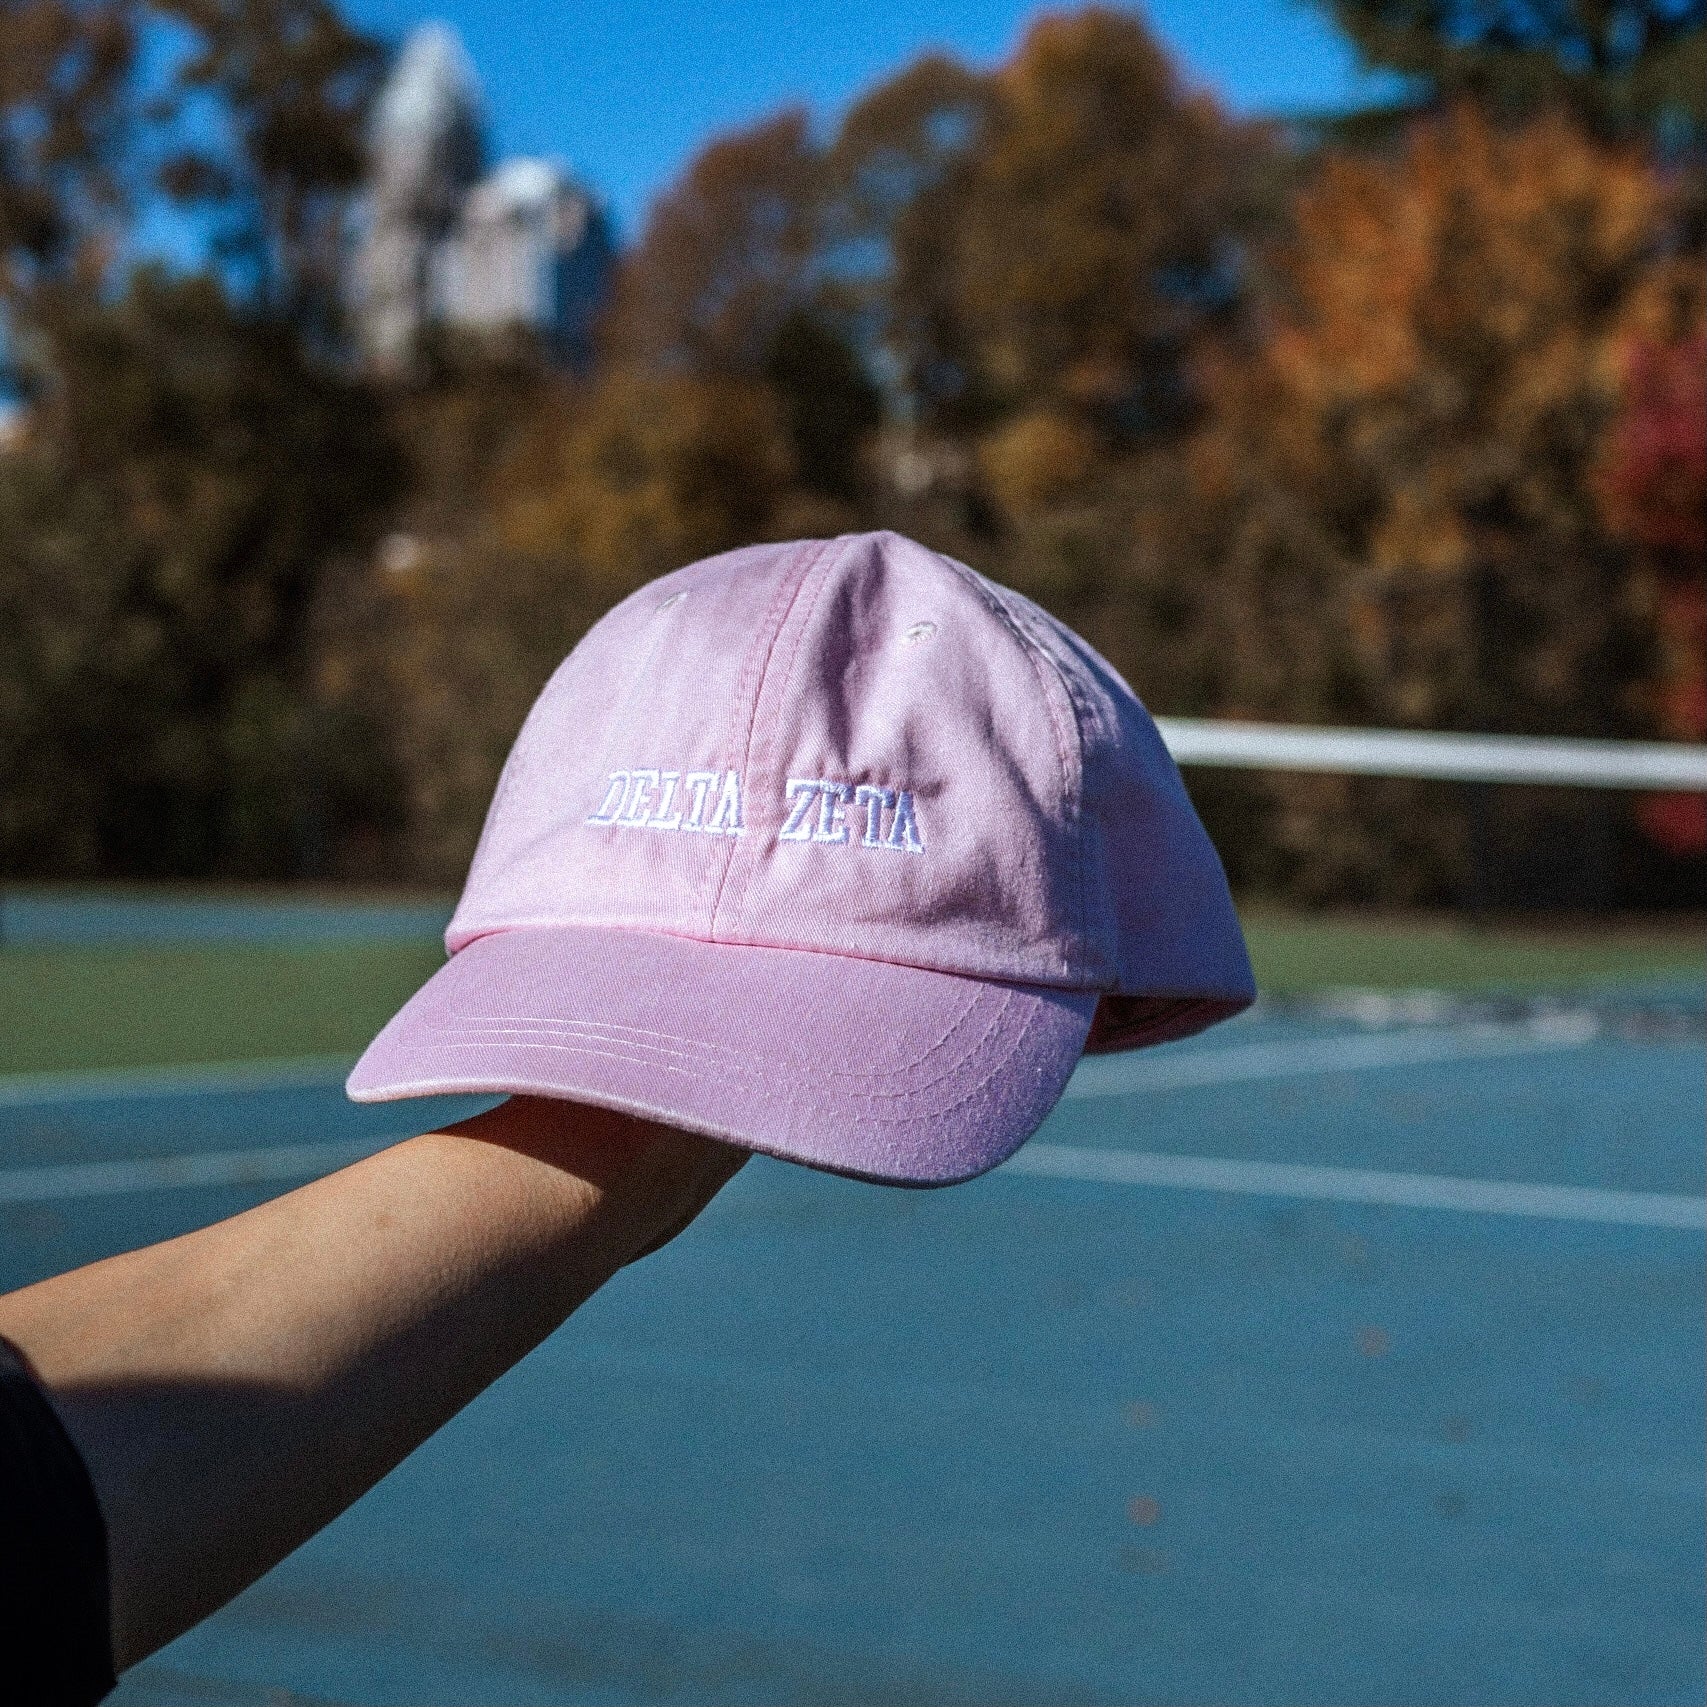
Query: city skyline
(627, 94)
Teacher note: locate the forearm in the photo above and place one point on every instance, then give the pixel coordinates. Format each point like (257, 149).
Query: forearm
(235, 1389)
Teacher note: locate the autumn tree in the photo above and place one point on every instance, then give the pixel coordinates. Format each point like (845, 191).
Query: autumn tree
(65, 113)
(1634, 65)
(679, 444)
(191, 457)
(1653, 490)
(1097, 229)
(1405, 461)
(293, 79)
(897, 175)
(730, 285)
(1054, 234)
(726, 254)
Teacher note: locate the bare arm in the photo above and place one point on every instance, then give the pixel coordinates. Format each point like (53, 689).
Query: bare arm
(233, 1390)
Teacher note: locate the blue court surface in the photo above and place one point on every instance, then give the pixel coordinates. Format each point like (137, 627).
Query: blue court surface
(1312, 1361)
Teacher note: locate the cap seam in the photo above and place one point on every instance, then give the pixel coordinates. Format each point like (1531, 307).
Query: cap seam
(810, 560)
(1071, 797)
(798, 636)
(1082, 712)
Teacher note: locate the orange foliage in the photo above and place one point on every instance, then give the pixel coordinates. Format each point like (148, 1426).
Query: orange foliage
(726, 254)
(643, 473)
(1096, 208)
(1654, 491)
(1440, 366)
(1036, 460)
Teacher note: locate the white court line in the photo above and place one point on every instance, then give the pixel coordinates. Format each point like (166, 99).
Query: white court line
(1362, 1185)
(157, 1173)
(1051, 1161)
(304, 1072)
(1099, 1077)
(1135, 1074)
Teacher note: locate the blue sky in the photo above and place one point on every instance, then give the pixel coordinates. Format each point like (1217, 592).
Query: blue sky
(628, 91)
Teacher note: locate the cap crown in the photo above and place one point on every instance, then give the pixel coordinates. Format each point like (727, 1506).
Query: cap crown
(858, 747)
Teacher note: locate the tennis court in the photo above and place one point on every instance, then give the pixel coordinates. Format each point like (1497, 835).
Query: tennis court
(1351, 1353)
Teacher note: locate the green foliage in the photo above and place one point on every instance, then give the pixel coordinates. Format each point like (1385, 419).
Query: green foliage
(294, 78)
(1618, 65)
(65, 70)
(188, 473)
(1397, 434)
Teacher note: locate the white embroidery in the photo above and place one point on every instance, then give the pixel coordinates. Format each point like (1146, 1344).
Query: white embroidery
(708, 803)
(876, 802)
(661, 819)
(832, 799)
(728, 815)
(640, 788)
(801, 792)
(611, 806)
(646, 798)
(904, 831)
(697, 784)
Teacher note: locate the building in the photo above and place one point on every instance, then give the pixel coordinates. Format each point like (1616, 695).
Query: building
(445, 242)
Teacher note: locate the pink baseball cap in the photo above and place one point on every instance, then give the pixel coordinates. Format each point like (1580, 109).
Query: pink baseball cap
(834, 850)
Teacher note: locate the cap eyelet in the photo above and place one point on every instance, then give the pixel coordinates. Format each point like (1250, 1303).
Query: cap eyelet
(673, 599)
(919, 631)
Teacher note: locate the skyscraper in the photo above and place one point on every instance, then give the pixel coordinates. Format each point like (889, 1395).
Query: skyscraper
(523, 247)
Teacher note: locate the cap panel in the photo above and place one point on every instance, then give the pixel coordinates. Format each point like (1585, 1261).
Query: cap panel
(642, 724)
(911, 790)
(940, 847)
(1154, 871)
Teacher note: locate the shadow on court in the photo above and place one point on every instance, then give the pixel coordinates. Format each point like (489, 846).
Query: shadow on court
(1036, 1439)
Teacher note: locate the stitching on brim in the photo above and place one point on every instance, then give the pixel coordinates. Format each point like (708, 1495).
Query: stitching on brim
(813, 1103)
(719, 1057)
(524, 925)
(975, 999)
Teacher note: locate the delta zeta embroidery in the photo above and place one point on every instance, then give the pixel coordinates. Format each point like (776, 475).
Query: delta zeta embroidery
(819, 810)
(697, 802)
(819, 807)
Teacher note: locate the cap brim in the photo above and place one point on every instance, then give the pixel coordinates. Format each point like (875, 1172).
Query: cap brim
(884, 1072)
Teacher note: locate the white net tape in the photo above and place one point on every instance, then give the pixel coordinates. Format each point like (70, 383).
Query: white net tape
(1453, 758)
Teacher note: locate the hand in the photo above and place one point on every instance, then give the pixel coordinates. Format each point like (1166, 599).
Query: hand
(656, 1178)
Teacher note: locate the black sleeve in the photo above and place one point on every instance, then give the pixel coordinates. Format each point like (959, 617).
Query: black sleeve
(55, 1633)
